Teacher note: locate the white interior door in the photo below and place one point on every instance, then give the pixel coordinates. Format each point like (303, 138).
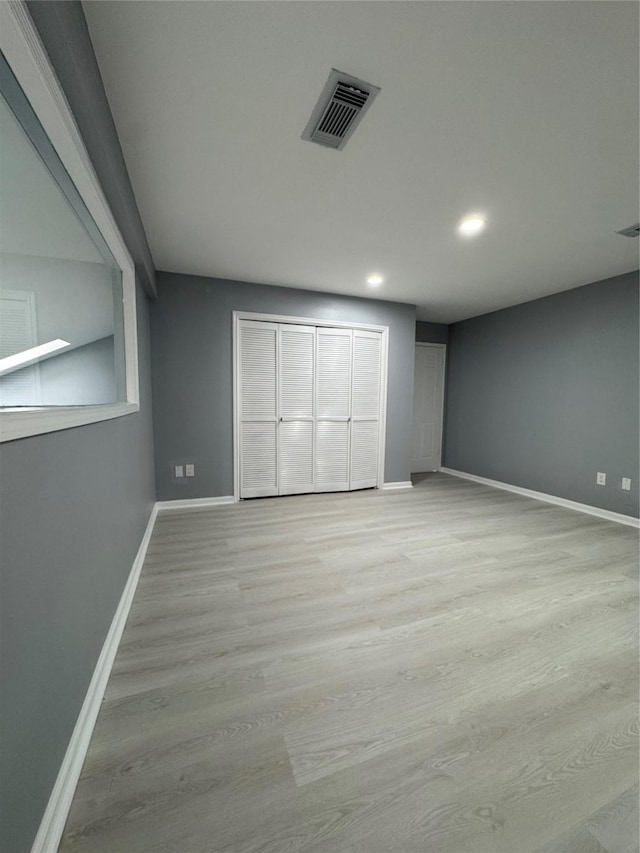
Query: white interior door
(365, 408)
(333, 409)
(296, 380)
(426, 439)
(257, 372)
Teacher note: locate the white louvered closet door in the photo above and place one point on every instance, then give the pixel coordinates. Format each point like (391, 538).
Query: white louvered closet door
(258, 409)
(365, 408)
(18, 332)
(296, 374)
(333, 409)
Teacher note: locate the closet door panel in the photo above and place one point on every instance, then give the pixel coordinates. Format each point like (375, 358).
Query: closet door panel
(333, 378)
(367, 358)
(258, 380)
(295, 474)
(297, 357)
(365, 409)
(258, 459)
(333, 409)
(364, 454)
(332, 456)
(296, 383)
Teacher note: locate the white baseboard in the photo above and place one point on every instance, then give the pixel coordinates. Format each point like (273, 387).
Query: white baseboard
(406, 484)
(551, 499)
(55, 816)
(194, 504)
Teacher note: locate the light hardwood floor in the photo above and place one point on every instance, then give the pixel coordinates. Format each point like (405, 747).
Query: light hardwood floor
(448, 668)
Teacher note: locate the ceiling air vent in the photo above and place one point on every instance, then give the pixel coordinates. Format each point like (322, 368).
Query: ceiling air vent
(343, 102)
(631, 231)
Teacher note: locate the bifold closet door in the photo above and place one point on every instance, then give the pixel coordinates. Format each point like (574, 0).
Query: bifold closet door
(309, 408)
(296, 372)
(333, 409)
(365, 408)
(257, 374)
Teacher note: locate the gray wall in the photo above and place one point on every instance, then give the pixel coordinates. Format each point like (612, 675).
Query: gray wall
(191, 330)
(545, 394)
(432, 333)
(73, 509)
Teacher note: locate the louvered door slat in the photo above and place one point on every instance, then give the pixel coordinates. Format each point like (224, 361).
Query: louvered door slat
(364, 454)
(333, 395)
(333, 409)
(365, 396)
(366, 375)
(258, 369)
(332, 456)
(17, 334)
(296, 353)
(258, 409)
(259, 476)
(295, 475)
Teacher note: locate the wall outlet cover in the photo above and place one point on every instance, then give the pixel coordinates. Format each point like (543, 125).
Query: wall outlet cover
(626, 484)
(601, 479)
(190, 470)
(178, 471)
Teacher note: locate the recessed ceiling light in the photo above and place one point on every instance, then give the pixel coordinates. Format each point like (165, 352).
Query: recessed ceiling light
(374, 280)
(472, 225)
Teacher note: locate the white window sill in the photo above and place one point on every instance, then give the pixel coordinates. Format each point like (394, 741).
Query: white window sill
(22, 423)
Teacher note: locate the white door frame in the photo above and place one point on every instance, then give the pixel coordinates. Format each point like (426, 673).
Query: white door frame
(305, 321)
(444, 382)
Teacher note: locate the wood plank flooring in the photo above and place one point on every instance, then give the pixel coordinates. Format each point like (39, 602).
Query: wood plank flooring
(450, 669)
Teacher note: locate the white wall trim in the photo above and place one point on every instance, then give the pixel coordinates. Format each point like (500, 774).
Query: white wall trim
(55, 816)
(189, 505)
(25, 54)
(307, 321)
(404, 484)
(618, 517)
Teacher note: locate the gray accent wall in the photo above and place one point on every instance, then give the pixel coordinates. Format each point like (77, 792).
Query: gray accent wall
(545, 394)
(191, 332)
(74, 505)
(432, 333)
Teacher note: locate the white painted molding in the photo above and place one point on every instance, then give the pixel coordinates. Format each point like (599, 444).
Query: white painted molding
(55, 816)
(194, 504)
(23, 50)
(618, 517)
(404, 484)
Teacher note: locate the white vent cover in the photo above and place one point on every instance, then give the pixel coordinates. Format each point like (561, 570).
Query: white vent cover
(340, 108)
(631, 231)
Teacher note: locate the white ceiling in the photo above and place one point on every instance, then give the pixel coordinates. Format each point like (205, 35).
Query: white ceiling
(524, 111)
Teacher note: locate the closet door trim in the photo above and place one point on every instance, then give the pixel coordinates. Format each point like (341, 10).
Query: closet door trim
(304, 321)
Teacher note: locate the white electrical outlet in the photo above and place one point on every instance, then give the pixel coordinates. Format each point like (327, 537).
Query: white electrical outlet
(601, 479)
(179, 471)
(190, 470)
(626, 484)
